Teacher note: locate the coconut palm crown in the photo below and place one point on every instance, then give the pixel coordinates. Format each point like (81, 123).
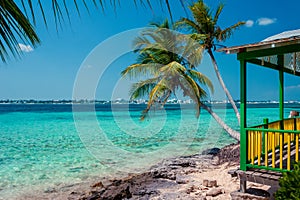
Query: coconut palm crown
(204, 25)
(167, 60)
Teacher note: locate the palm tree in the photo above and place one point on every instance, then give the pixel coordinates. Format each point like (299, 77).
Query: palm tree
(167, 60)
(204, 28)
(164, 61)
(17, 20)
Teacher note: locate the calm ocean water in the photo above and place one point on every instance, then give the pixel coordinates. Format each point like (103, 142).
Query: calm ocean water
(45, 146)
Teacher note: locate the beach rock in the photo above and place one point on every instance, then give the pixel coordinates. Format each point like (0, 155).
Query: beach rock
(182, 179)
(164, 173)
(158, 181)
(212, 183)
(116, 182)
(145, 192)
(209, 183)
(123, 194)
(205, 183)
(169, 168)
(50, 190)
(99, 184)
(116, 193)
(251, 194)
(212, 151)
(75, 193)
(214, 192)
(94, 195)
(191, 171)
(230, 154)
(191, 189)
(173, 195)
(183, 163)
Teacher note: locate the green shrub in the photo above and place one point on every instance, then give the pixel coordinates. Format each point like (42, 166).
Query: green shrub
(289, 185)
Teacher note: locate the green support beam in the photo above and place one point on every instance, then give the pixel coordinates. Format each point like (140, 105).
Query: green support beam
(268, 52)
(280, 62)
(243, 111)
(272, 66)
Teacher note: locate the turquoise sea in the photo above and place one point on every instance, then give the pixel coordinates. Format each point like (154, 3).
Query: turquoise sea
(49, 145)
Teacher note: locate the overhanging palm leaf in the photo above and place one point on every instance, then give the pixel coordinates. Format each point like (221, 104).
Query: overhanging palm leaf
(14, 26)
(16, 19)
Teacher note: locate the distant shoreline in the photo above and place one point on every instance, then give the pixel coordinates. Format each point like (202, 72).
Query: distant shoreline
(170, 102)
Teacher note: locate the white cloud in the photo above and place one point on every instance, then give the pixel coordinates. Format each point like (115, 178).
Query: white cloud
(249, 23)
(266, 21)
(25, 48)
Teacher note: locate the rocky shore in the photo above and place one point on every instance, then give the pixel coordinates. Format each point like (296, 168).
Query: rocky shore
(201, 176)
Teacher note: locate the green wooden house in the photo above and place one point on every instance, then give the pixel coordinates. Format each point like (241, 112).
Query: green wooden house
(270, 148)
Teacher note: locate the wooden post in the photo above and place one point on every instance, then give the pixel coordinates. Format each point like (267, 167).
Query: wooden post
(265, 141)
(243, 123)
(280, 63)
(243, 185)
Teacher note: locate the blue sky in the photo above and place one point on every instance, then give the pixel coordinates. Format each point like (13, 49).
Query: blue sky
(49, 71)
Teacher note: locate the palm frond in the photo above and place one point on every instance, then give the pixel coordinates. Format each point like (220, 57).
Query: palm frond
(12, 15)
(142, 88)
(193, 51)
(86, 7)
(67, 11)
(202, 16)
(61, 5)
(43, 13)
(226, 33)
(218, 12)
(58, 16)
(140, 42)
(165, 24)
(191, 89)
(202, 79)
(190, 25)
(157, 91)
(169, 9)
(137, 70)
(14, 24)
(173, 69)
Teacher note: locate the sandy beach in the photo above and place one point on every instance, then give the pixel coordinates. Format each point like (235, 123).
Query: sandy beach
(178, 178)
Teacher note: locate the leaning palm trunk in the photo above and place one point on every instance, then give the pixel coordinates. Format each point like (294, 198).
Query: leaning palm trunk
(233, 133)
(223, 85)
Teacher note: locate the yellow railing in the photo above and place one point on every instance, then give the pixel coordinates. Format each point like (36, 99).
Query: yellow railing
(274, 145)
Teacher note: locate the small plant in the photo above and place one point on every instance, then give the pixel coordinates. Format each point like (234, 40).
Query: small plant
(289, 185)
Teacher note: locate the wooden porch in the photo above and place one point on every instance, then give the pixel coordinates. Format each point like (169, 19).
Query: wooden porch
(269, 149)
(272, 149)
(273, 146)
